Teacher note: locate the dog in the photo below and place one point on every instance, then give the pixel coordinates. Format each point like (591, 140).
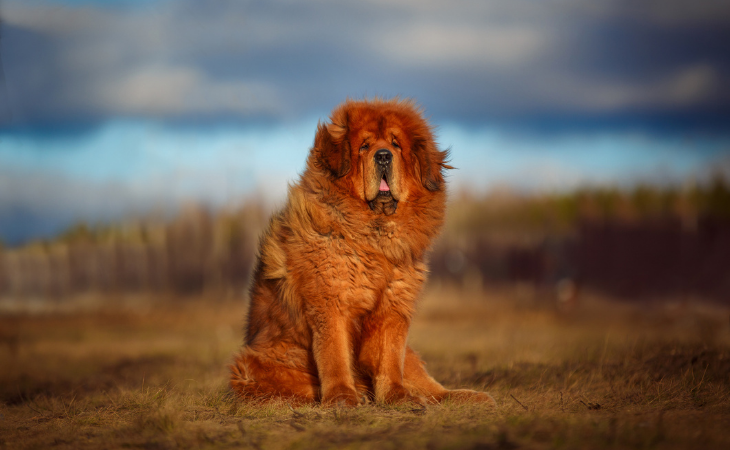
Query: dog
(341, 266)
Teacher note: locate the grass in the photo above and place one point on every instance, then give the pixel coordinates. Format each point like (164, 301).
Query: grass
(152, 374)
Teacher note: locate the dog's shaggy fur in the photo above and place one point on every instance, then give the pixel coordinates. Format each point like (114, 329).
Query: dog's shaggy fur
(341, 266)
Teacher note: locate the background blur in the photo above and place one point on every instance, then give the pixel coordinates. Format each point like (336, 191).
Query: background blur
(143, 144)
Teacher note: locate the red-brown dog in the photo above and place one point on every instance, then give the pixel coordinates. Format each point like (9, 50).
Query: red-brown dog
(340, 268)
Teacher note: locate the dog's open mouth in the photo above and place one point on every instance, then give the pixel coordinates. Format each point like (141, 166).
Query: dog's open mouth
(384, 188)
(384, 202)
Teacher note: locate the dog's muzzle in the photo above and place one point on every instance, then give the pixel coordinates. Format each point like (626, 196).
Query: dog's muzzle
(383, 159)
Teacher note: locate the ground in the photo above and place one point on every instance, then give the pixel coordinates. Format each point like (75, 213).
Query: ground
(151, 373)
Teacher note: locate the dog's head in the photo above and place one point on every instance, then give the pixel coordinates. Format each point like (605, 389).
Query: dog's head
(380, 151)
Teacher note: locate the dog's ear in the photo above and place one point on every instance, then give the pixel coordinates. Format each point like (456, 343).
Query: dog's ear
(332, 146)
(431, 161)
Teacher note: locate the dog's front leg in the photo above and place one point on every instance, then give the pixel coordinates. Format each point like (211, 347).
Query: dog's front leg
(382, 356)
(332, 354)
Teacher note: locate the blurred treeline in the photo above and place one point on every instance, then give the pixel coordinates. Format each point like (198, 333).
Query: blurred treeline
(644, 242)
(639, 242)
(198, 251)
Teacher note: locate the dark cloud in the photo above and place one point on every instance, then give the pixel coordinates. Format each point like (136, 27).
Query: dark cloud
(639, 63)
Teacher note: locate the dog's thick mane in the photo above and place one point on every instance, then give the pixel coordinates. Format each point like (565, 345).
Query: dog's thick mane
(319, 193)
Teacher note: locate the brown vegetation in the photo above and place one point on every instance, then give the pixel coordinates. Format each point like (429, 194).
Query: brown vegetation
(642, 242)
(197, 252)
(152, 374)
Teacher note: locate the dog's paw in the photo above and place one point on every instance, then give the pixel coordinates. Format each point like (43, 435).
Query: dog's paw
(398, 395)
(341, 395)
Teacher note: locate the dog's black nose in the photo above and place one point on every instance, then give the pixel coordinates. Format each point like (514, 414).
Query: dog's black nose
(383, 156)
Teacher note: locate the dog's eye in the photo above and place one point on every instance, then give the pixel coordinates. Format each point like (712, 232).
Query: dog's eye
(395, 144)
(364, 147)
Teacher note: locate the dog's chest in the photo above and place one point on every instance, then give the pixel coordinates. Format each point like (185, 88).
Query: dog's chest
(363, 273)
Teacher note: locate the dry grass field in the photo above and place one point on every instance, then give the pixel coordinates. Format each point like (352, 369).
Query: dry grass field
(151, 373)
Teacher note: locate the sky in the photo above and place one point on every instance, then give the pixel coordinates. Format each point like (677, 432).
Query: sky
(121, 107)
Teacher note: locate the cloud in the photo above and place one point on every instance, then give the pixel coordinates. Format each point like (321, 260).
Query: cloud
(688, 86)
(666, 12)
(172, 91)
(438, 44)
(107, 62)
(472, 61)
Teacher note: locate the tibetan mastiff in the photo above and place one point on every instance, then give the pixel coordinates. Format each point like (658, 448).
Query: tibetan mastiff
(341, 266)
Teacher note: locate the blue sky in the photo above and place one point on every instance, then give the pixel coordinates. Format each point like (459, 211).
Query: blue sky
(124, 107)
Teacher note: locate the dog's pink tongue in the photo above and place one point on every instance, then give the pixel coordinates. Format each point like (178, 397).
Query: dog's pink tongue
(383, 185)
